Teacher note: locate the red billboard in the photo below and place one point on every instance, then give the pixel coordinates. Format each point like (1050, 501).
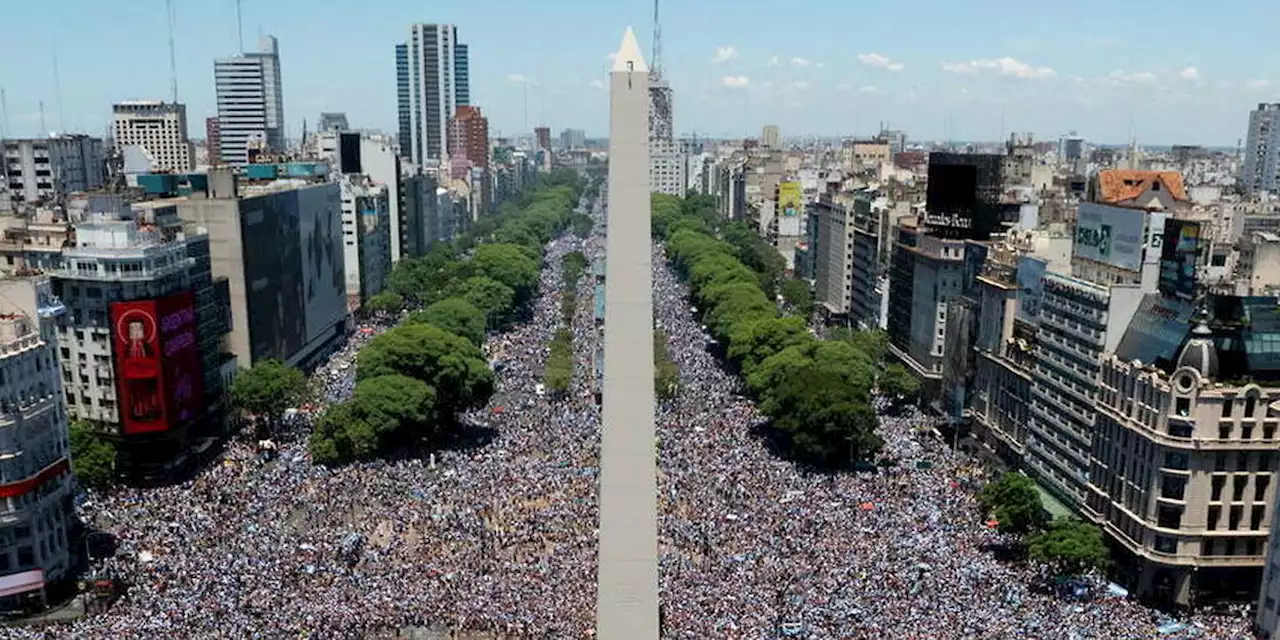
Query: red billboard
(158, 369)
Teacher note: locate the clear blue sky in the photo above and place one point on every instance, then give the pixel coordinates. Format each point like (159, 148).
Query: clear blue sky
(1176, 71)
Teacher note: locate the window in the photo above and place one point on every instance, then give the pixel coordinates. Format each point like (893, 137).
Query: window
(1220, 461)
(1169, 517)
(1172, 487)
(1183, 406)
(1249, 405)
(1166, 544)
(1260, 485)
(1237, 487)
(1224, 430)
(1215, 514)
(1176, 460)
(1264, 461)
(1255, 516)
(1233, 521)
(1227, 404)
(1216, 485)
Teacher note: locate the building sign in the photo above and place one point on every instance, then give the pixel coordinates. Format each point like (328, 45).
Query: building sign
(1111, 235)
(1178, 255)
(1030, 278)
(790, 199)
(1155, 238)
(157, 357)
(1156, 331)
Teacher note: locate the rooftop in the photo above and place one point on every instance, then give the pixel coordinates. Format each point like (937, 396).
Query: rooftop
(1120, 185)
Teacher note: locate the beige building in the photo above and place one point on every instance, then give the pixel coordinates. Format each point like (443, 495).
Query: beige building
(159, 129)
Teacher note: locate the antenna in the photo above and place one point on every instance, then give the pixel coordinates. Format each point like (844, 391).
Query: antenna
(44, 131)
(4, 115)
(57, 87)
(239, 26)
(656, 66)
(173, 59)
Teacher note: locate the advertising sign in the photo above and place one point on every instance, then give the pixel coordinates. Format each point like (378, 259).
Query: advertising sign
(139, 379)
(1111, 235)
(1156, 331)
(790, 199)
(158, 370)
(1178, 258)
(1030, 278)
(1155, 238)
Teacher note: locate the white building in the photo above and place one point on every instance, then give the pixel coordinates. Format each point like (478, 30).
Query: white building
(158, 128)
(250, 101)
(36, 510)
(41, 170)
(366, 238)
(433, 80)
(771, 137)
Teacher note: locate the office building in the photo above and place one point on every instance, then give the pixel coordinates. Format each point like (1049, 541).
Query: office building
(33, 242)
(366, 234)
(433, 80)
(159, 129)
(1261, 169)
(44, 170)
(573, 139)
(771, 137)
(250, 103)
(333, 122)
(542, 137)
(469, 137)
(962, 198)
(36, 544)
(278, 242)
(213, 140)
(374, 156)
(140, 342)
(666, 162)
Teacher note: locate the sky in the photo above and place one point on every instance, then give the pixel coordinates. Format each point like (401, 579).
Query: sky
(1168, 72)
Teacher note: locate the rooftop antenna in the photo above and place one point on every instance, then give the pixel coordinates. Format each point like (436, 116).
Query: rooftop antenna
(173, 58)
(4, 115)
(655, 66)
(57, 88)
(44, 131)
(239, 27)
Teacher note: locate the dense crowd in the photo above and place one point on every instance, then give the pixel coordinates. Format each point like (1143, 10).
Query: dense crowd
(493, 532)
(752, 547)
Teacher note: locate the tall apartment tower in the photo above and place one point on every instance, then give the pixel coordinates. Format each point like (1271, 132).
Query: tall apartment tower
(432, 81)
(250, 101)
(469, 136)
(159, 128)
(213, 140)
(1261, 170)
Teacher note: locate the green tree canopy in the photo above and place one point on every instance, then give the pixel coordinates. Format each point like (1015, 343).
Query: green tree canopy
(897, 382)
(93, 459)
(494, 299)
(1069, 547)
(452, 365)
(455, 315)
(1015, 503)
(385, 302)
(796, 294)
(752, 341)
(508, 264)
(268, 388)
(828, 426)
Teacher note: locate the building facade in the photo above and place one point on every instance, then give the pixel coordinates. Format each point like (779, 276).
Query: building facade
(43, 170)
(366, 238)
(37, 510)
(159, 129)
(213, 140)
(926, 273)
(433, 80)
(469, 136)
(250, 103)
(1261, 168)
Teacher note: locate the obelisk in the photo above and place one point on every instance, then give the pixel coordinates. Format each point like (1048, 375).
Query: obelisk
(627, 596)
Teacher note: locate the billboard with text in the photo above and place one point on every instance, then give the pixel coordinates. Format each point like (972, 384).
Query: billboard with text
(790, 199)
(1111, 235)
(159, 378)
(1178, 257)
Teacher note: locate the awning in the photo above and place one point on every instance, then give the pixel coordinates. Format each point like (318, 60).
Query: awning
(22, 582)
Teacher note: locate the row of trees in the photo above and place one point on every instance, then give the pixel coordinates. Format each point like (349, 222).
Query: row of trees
(558, 375)
(415, 379)
(666, 376)
(1067, 547)
(817, 393)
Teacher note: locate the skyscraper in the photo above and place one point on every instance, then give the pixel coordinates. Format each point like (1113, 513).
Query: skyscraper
(432, 81)
(666, 169)
(250, 101)
(1262, 152)
(159, 128)
(469, 137)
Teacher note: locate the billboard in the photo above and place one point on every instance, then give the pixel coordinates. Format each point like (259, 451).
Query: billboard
(1155, 237)
(1030, 278)
(1111, 235)
(1178, 255)
(1156, 331)
(790, 199)
(157, 359)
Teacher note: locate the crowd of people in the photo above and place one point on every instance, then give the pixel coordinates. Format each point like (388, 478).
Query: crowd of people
(493, 532)
(753, 547)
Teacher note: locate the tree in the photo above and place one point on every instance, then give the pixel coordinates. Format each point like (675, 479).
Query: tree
(494, 299)
(385, 302)
(666, 375)
(1069, 547)
(874, 343)
(508, 264)
(395, 404)
(1015, 503)
(452, 365)
(268, 388)
(897, 382)
(828, 425)
(93, 459)
(796, 294)
(751, 341)
(455, 315)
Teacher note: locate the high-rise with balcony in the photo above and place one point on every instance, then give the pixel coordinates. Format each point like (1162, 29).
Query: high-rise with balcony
(36, 510)
(432, 81)
(158, 128)
(250, 102)
(1261, 168)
